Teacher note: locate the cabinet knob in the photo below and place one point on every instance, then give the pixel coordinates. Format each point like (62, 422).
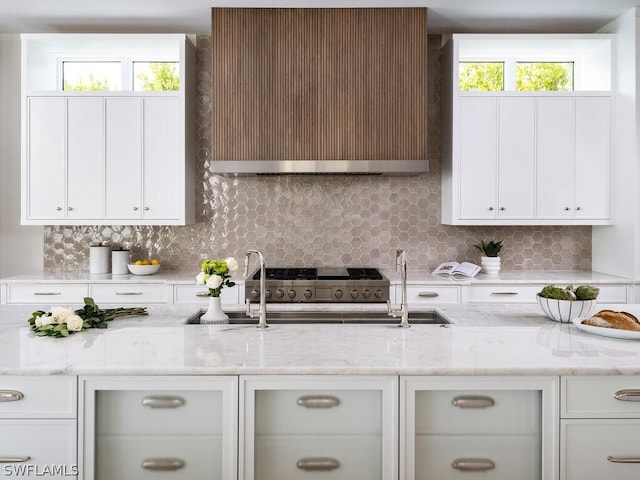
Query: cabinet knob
(59, 209)
(10, 395)
(502, 209)
(491, 209)
(146, 209)
(135, 208)
(566, 209)
(578, 208)
(69, 208)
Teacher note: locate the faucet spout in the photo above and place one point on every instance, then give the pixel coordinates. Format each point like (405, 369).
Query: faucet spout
(261, 313)
(403, 312)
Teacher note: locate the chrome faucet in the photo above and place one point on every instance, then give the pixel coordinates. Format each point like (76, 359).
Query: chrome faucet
(403, 313)
(261, 313)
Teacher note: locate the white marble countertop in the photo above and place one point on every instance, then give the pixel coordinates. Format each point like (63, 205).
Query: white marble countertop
(481, 340)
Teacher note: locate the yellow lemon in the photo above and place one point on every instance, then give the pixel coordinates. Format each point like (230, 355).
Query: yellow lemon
(138, 262)
(155, 261)
(146, 262)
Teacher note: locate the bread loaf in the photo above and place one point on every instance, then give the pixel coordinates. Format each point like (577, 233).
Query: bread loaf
(612, 319)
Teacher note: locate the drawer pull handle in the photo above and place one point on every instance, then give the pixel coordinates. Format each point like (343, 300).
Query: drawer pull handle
(504, 293)
(202, 294)
(623, 459)
(10, 395)
(47, 293)
(163, 464)
(14, 459)
(318, 401)
(321, 464)
(627, 395)
(473, 401)
(128, 293)
(163, 401)
(473, 464)
(428, 294)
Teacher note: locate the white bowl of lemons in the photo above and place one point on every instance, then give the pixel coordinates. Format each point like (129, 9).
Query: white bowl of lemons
(144, 267)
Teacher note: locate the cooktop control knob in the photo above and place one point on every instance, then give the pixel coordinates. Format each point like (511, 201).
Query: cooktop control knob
(338, 293)
(279, 293)
(255, 293)
(379, 293)
(308, 293)
(354, 293)
(291, 293)
(366, 293)
(267, 293)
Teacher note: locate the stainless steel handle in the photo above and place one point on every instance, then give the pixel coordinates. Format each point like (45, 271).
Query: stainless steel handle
(47, 293)
(163, 401)
(627, 395)
(504, 293)
(163, 464)
(428, 294)
(623, 459)
(473, 401)
(318, 401)
(473, 464)
(202, 294)
(14, 459)
(128, 293)
(10, 395)
(320, 464)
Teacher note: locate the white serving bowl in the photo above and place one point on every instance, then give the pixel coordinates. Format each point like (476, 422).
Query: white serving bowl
(143, 269)
(565, 310)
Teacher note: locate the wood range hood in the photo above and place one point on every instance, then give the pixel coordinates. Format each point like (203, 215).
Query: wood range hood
(319, 91)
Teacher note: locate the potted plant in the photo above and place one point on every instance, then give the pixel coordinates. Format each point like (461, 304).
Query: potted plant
(490, 260)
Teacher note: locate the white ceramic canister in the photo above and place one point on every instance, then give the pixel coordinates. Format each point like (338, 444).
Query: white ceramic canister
(119, 261)
(99, 258)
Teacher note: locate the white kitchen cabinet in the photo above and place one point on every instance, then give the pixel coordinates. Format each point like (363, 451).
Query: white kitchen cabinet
(505, 292)
(526, 158)
(38, 424)
(107, 157)
(46, 293)
(600, 428)
(429, 294)
(496, 428)
(199, 295)
(130, 293)
(338, 427)
(147, 427)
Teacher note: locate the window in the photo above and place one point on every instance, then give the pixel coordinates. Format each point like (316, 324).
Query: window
(90, 75)
(544, 76)
(156, 76)
(481, 76)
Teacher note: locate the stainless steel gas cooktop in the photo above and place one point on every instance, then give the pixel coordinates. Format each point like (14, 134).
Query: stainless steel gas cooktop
(315, 285)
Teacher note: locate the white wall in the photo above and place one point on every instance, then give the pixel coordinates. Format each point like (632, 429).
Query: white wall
(20, 247)
(615, 248)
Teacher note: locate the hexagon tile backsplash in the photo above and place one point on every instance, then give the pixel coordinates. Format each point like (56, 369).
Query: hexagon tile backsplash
(322, 220)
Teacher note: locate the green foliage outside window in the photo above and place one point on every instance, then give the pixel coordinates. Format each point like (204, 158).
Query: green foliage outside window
(481, 77)
(163, 77)
(544, 77)
(92, 84)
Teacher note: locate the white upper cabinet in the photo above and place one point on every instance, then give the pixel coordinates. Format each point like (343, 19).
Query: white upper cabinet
(526, 130)
(108, 122)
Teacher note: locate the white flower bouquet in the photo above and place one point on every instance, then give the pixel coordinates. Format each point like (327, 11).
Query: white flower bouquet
(216, 274)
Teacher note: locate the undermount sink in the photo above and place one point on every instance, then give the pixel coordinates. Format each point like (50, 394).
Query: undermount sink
(371, 318)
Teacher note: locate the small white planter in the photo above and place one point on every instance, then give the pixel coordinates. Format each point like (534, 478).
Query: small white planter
(490, 265)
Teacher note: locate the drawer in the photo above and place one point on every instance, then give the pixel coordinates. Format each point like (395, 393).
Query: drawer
(587, 444)
(595, 396)
(44, 445)
(513, 457)
(199, 295)
(341, 458)
(318, 412)
(478, 411)
(502, 293)
(429, 294)
(156, 412)
(47, 293)
(184, 457)
(131, 293)
(38, 396)
(612, 293)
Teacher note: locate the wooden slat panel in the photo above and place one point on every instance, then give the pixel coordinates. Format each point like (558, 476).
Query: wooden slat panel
(319, 84)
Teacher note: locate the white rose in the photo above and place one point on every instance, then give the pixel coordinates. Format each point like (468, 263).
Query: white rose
(232, 264)
(201, 278)
(43, 320)
(74, 323)
(214, 281)
(60, 314)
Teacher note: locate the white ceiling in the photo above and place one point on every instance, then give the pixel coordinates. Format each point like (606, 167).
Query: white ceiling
(193, 16)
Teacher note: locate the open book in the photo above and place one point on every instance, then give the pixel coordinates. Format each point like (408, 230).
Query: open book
(457, 270)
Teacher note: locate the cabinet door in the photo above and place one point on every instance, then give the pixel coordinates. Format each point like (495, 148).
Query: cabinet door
(85, 158)
(516, 157)
(163, 177)
(593, 131)
(123, 144)
(555, 158)
(45, 158)
(477, 143)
